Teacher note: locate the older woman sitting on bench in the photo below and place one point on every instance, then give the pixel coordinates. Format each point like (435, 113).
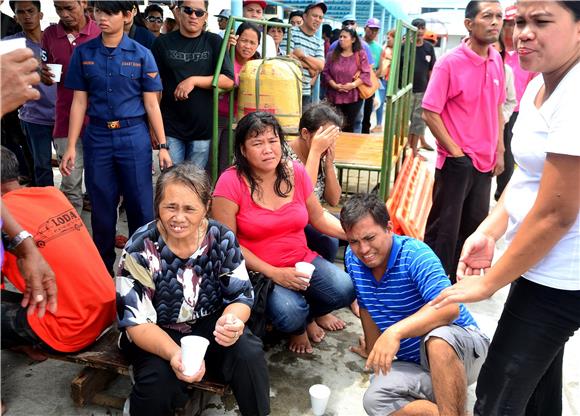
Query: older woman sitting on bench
(184, 274)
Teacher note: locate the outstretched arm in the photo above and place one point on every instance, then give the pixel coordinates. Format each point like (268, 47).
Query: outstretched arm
(554, 211)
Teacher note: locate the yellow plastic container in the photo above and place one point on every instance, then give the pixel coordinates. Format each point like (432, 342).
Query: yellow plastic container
(273, 85)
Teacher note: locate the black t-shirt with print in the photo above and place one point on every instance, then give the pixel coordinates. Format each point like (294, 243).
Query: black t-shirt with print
(424, 62)
(178, 58)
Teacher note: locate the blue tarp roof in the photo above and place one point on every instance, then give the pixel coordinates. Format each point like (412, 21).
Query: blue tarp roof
(337, 9)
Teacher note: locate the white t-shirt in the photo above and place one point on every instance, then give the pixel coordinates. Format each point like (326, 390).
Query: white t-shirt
(551, 129)
(271, 51)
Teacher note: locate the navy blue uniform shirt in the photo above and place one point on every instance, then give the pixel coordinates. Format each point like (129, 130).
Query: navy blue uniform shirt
(115, 80)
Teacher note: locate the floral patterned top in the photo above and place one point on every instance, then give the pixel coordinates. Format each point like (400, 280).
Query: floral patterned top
(156, 286)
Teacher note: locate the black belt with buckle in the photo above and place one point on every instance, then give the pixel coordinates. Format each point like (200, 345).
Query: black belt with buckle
(116, 124)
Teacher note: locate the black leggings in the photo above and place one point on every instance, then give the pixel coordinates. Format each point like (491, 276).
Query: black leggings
(157, 391)
(522, 374)
(350, 112)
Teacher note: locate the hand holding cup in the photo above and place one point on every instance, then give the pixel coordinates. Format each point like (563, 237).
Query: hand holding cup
(228, 329)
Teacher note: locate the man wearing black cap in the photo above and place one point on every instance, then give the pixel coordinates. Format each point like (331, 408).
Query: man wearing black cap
(308, 48)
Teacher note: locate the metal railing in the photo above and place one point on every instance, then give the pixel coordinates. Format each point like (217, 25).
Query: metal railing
(216, 90)
(398, 103)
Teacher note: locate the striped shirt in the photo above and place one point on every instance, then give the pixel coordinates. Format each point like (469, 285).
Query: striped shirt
(312, 46)
(414, 276)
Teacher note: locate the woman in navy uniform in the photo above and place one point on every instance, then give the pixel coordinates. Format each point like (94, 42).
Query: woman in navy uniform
(116, 83)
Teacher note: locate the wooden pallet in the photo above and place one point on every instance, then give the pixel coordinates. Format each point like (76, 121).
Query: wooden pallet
(103, 363)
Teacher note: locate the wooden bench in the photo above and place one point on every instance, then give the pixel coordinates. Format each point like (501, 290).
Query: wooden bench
(104, 363)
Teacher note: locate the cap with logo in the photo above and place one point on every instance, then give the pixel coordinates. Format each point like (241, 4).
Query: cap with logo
(316, 4)
(373, 23)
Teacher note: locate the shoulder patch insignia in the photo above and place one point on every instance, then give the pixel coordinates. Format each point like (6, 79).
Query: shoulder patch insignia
(151, 74)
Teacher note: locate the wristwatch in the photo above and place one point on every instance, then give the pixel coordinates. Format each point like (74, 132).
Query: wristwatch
(163, 146)
(18, 239)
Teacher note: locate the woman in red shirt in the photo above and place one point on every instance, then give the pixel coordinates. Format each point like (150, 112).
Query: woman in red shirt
(267, 200)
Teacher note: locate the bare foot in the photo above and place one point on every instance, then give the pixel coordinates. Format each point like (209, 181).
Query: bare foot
(330, 322)
(315, 333)
(300, 344)
(355, 309)
(32, 353)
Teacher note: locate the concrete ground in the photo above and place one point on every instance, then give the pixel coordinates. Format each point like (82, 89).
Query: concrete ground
(30, 388)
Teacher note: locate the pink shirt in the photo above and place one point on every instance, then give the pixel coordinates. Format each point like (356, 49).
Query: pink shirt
(467, 90)
(224, 99)
(521, 76)
(342, 71)
(59, 51)
(275, 236)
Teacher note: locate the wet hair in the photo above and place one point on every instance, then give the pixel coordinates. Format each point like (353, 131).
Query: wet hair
(473, 7)
(188, 175)
(319, 114)
(153, 8)
(359, 206)
(114, 7)
(13, 5)
(356, 46)
(419, 23)
(275, 19)
(252, 125)
(573, 6)
(9, 166)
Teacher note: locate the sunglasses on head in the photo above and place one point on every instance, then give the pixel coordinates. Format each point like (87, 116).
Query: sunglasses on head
(190, 10)
(154, 19)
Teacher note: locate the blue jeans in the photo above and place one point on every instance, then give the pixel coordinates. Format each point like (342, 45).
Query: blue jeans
(358, 120)
(39, 139)
(325, 245)
(382, 99)
(196, 151)
(330, 289)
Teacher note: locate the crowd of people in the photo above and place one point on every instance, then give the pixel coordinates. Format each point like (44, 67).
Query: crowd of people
(130, 84)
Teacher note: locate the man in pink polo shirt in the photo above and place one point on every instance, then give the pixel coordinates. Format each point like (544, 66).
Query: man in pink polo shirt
(463, 109)
(521, 80)
(59, 41)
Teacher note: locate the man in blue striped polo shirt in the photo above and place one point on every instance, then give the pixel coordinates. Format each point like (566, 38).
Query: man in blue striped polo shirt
(423, 358)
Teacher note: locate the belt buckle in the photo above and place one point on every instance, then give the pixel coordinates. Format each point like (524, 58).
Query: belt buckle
(115, 124)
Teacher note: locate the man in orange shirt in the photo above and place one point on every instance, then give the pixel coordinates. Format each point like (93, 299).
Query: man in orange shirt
(86, 295)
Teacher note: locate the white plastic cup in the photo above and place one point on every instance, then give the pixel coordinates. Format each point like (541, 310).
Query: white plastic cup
(7, 46)
(193, 350)
(306, 268)
(56, 70)
(319, 394)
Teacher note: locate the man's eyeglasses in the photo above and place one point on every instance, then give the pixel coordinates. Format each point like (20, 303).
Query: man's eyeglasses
(154, 19)
(349, 23)
(190, 10)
